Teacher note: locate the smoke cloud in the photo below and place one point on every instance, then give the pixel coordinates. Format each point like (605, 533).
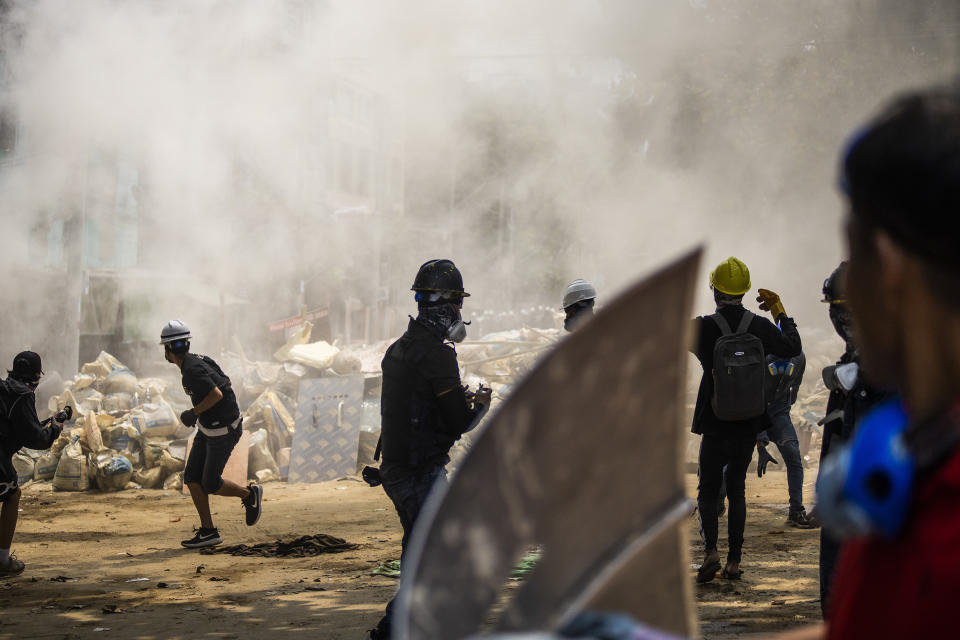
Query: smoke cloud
(312, 153)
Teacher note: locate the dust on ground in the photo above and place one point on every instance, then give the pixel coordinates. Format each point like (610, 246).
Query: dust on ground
(88, 554)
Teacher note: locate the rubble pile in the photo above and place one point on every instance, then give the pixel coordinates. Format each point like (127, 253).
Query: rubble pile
(126, 433)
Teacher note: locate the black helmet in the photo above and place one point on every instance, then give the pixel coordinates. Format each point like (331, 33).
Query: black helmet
(835, 287)
(441, 276)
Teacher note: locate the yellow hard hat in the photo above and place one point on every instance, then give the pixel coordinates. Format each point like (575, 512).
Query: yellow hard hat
(731, 277)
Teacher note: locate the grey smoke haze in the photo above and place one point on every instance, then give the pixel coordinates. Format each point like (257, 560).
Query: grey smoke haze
(540, 141)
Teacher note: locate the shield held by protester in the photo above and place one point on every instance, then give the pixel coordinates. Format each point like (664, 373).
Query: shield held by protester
(583, 460)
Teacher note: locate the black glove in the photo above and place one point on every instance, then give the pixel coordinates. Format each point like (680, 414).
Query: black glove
(371, 475)
(762, 459)
(188, 418)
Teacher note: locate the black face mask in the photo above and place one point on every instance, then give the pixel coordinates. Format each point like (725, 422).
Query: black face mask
(842, 323)
(577, 313)
(445, 319)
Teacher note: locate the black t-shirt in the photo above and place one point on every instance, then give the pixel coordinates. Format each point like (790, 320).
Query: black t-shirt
(200, 375)
(783, 342)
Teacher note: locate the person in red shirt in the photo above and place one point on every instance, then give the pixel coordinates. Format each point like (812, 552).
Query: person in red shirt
(901, 177)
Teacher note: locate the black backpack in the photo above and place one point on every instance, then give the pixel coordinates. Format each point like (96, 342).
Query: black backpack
(739, 372)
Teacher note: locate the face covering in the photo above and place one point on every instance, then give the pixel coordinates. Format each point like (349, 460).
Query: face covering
(842, 323)
(445, 319)
(576, 314)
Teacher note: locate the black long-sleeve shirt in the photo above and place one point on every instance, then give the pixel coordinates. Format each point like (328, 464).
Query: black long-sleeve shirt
(423, 407)
(783, 342)
(20, 425)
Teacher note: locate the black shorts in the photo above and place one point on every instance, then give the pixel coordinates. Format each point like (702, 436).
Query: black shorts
(208, 457)
(8, 477)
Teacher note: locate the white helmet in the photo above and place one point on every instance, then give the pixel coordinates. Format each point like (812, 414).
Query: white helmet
(173, 331)
(578, 291)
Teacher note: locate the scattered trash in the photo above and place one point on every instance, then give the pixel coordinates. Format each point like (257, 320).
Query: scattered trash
(200, 569)
(302, 547)
(64, 579)
(138, 580)
(112, 608)
(216, 579)
(161, 585)
(388, 569)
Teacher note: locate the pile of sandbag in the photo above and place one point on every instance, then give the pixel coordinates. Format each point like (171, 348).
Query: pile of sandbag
(124, 433)
(271, 425)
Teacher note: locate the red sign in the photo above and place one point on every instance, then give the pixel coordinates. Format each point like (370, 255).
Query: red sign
(296, 321)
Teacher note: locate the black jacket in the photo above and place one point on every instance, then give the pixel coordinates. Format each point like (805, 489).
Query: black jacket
(783, 343)
(19, 425)
(423, 409)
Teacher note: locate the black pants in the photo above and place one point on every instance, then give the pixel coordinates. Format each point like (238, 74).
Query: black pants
(829, 553)
(734, 453)
(408, 496)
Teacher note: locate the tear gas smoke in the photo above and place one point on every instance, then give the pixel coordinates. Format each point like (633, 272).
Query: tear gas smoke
(297, 152)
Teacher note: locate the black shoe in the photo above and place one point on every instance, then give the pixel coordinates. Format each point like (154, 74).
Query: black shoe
(798, 518)
(204, 538)
(252, 503)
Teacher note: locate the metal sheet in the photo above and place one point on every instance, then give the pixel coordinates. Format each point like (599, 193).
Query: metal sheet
(584, 459)
(327, 432)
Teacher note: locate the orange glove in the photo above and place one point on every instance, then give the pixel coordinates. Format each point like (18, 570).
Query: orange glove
(769, 301)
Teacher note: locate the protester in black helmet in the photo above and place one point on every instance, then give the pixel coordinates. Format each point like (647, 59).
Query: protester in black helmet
(219, 429)
(19, 427)
(424, 409)
(851, 396)
(578, 302)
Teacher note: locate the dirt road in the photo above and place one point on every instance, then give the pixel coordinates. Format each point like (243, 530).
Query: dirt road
(90, 553)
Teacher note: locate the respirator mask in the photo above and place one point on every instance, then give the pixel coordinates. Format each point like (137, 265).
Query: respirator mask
(441, 310)
(865, 488)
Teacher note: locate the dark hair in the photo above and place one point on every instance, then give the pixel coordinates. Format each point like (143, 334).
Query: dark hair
(902, 175)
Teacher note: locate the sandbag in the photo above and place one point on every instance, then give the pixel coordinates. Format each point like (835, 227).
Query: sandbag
(118, 403)
(149, 478)
(152, 452)
(119, 380)
(46, 466)
(71, 472)
(155, 420)
(102, 366)
(174, 482)
(259, 456)
(283, 462)
(122, 437)
(91, 430)
(113, 471)
(346, 363)
(24, 466)
(85, 400)
(170, 465)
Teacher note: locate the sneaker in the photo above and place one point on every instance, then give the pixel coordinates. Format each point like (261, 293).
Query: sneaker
(13, 567)
(204, 538)
(798, 518)
(252, 503)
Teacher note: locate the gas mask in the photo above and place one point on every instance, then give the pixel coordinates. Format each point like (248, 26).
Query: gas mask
(577, 313)
(443, 314)
(842, 323)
